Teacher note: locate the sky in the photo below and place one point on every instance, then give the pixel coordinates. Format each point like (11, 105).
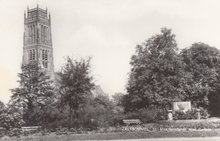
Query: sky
(106, 30)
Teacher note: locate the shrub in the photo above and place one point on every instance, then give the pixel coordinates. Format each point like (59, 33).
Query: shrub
(193, 124)
(204, 113)
(146, 115)
(150, 115)
(10, 118)
(179, 115)
(14, 132)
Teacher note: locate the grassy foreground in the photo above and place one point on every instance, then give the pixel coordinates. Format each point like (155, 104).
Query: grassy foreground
(119, 135)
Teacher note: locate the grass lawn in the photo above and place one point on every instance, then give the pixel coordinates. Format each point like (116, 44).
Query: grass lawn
(119, 135)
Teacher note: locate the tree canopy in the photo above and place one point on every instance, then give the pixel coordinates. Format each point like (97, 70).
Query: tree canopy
(155, 71)
(201, 79)
(76, 84)
(160, 74)
(33, 94)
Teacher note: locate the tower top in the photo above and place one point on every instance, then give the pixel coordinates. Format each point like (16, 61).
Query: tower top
(37, 12)
(37, 38)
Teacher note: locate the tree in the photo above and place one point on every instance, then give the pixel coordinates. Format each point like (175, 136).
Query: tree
(75, 85)
(154, 76)
(201, 75)
(117, 98)
(34, 93)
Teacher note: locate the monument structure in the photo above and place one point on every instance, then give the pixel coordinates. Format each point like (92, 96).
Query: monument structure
(37, 39)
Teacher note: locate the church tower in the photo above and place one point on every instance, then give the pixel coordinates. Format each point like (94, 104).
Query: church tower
(37, 39)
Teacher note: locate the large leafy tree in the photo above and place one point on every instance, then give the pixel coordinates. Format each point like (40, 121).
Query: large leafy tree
(34, 93)
(202, 76)
(76, 84)
(154, 76)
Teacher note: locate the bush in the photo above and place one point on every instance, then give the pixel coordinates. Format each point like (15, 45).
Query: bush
(11, 118)
(193, 124)
(14, 132)
(179, 115)
(151, 115)
(204, 113)
(146, 115)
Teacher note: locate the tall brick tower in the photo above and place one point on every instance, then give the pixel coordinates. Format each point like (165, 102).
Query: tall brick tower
(37, 39)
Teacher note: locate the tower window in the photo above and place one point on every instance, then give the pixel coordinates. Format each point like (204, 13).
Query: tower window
(45, 64)
(32, 30)
(33, 54)
(46, 30)
(45, 33)
(33, 33)
(30, 55)
(42, 33)
(46, 55)
(42, 54)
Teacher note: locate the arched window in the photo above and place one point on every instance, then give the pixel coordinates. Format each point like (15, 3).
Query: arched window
(45, 65)
(29, 30)
(46, 55)
(30, 55)
(34, 33)
(31, 34)
(41, 31)
(42, 54)
(33, 54)
(46, 32)
(43, 35)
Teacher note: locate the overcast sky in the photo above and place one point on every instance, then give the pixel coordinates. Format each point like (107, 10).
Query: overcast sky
(106, 30)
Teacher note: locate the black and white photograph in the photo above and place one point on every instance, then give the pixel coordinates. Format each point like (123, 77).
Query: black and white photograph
(120, 70)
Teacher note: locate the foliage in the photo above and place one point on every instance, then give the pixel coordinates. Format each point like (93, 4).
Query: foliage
(188, 124)
(99, 112)
(200, 83)
(204, 113)
(154, 77)
(2, 106)
(146, 115)
(34, 94)
(179, 115)
(160, 75)
(11, 117)
(117, 98)
(75, 86)
(14, 132)
(192, 114)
